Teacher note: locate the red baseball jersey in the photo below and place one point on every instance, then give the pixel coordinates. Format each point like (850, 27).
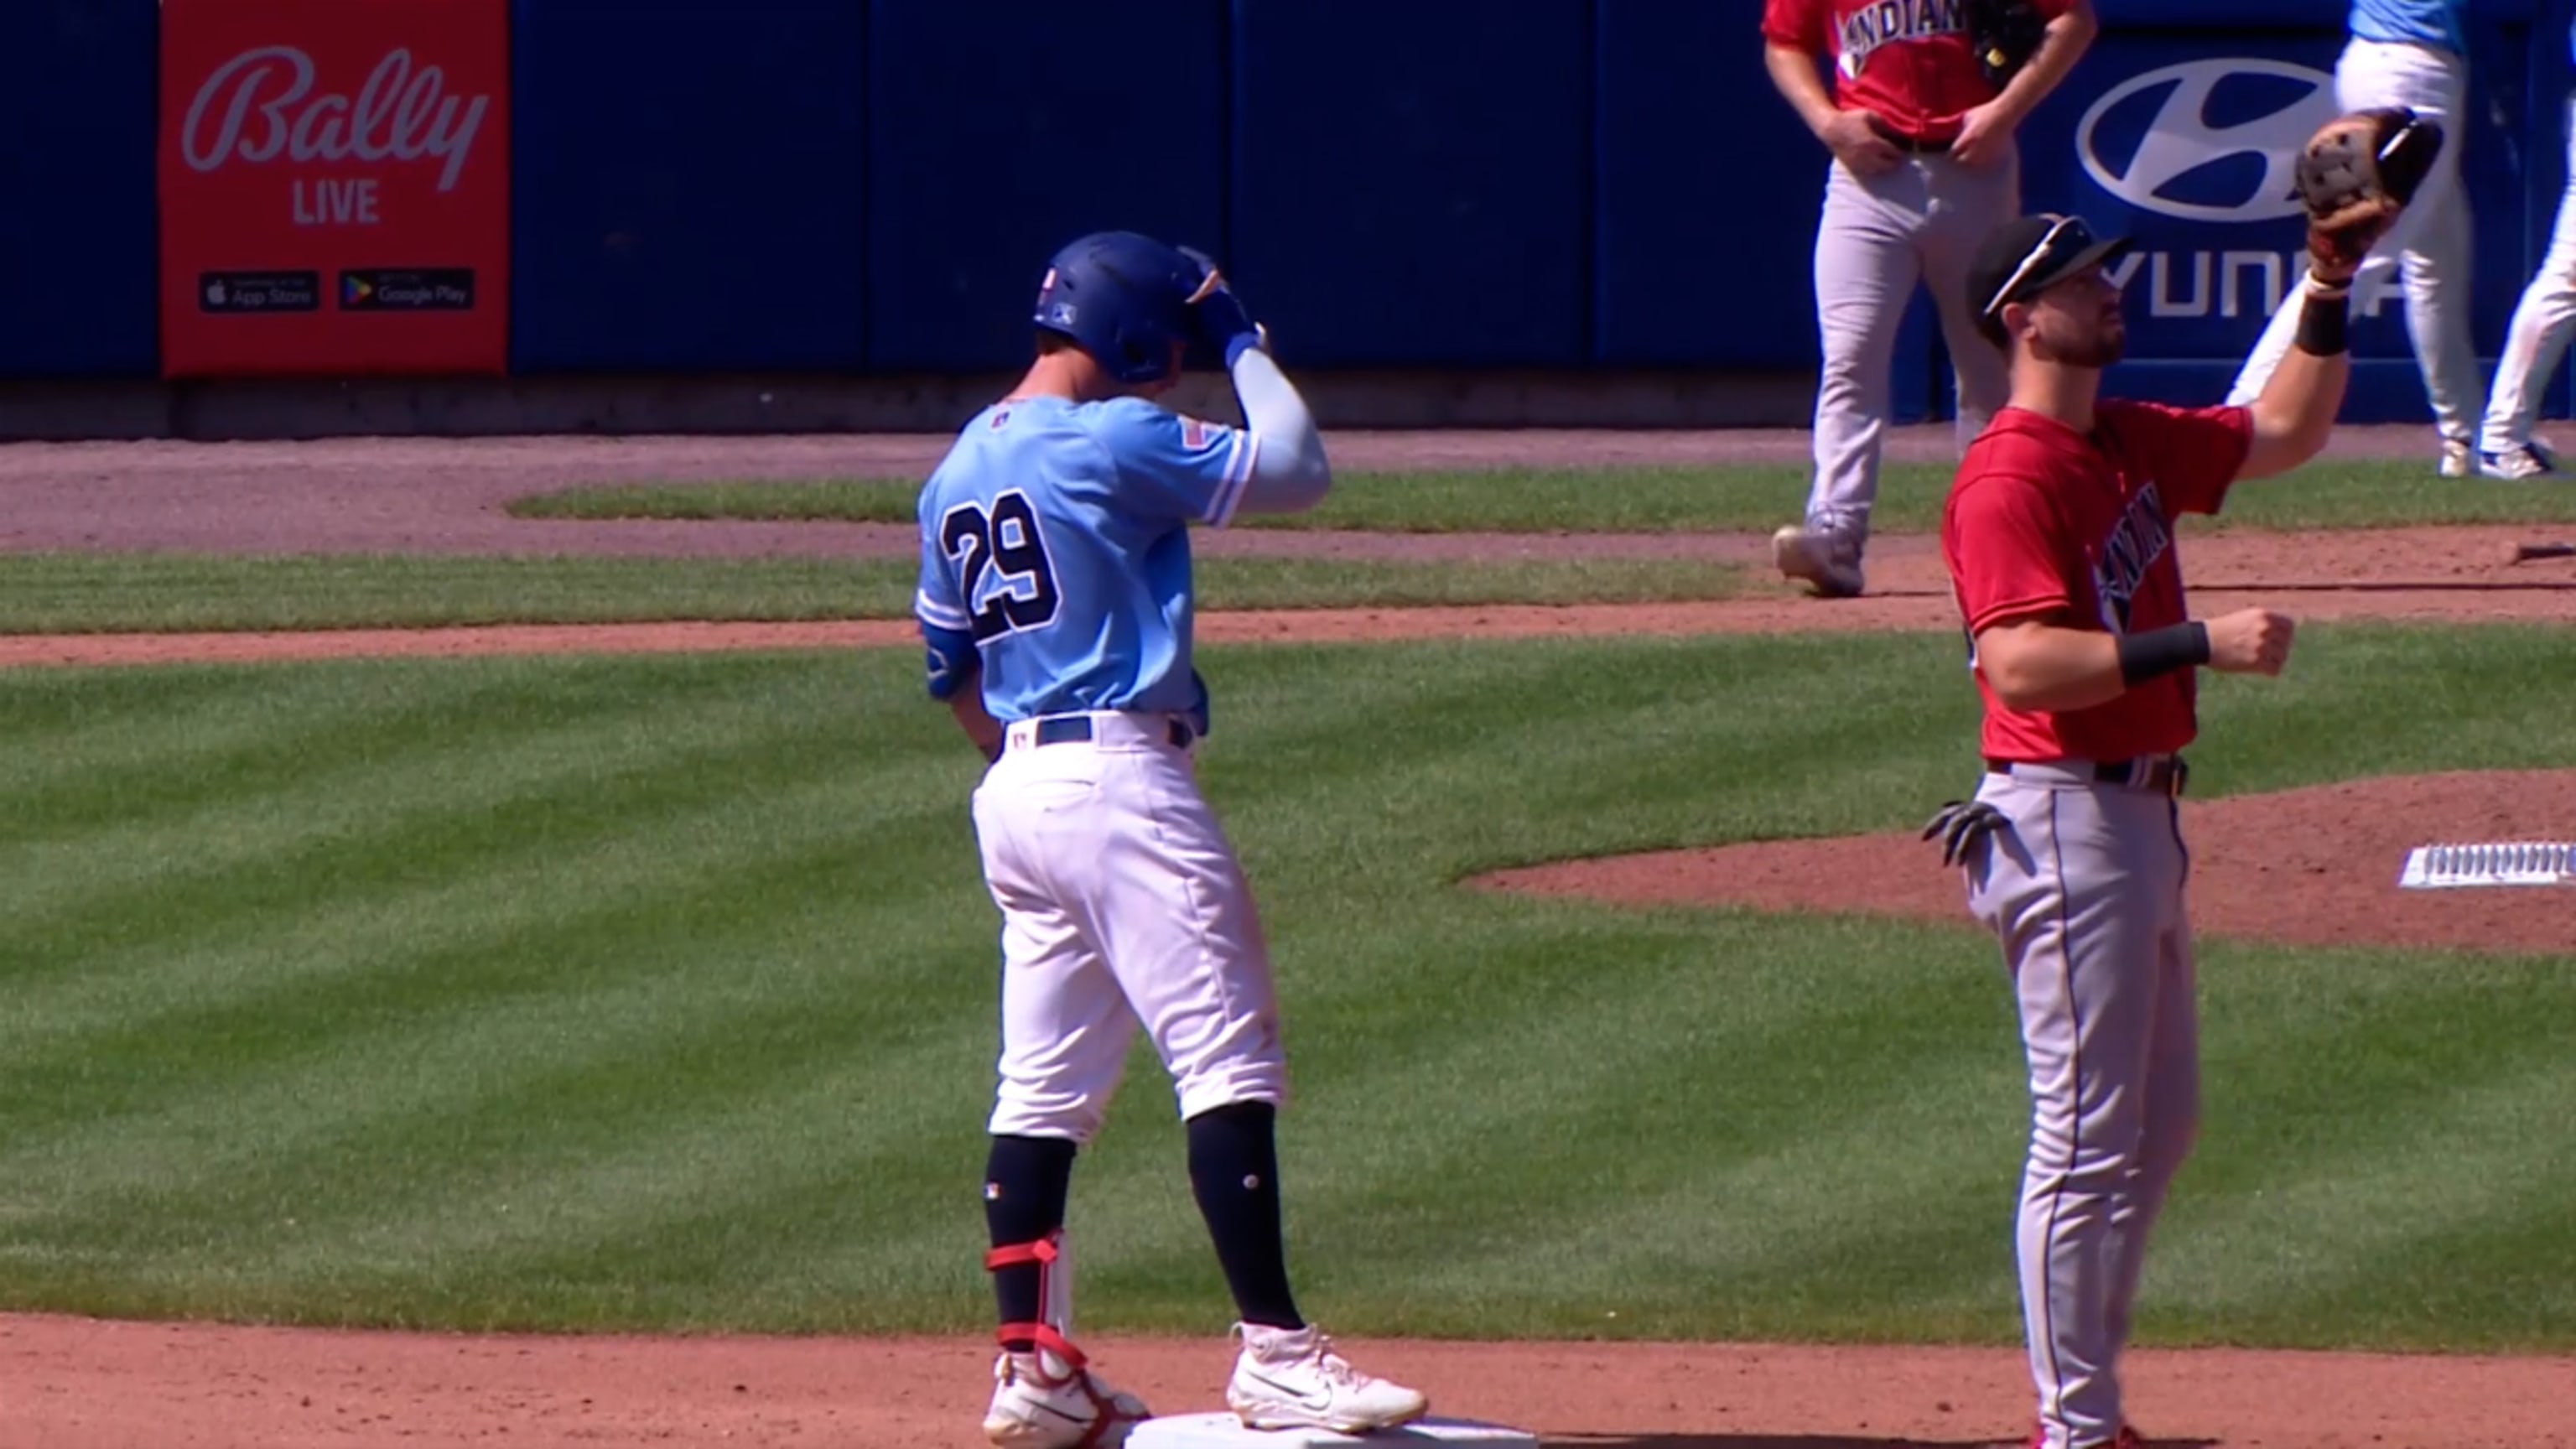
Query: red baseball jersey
(2045, 519)
(1906, 60)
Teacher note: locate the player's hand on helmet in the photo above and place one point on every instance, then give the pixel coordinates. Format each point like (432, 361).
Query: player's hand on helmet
(1218, 313)
(2250, 641)
(1851, 137)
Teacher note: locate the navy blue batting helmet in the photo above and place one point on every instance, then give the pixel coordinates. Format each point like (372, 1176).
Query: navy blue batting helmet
(1125, 298)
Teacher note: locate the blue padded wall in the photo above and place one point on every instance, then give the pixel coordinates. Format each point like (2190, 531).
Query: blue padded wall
(1412, 181)
(688, 183)
(79, 104)
(1685, 276)
(1001, 130)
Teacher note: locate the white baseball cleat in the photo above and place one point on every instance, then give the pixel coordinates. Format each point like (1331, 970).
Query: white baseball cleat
(2524, 460)
(2458, 459)
(1287, 1379)
(1830, 561)
(1042, 1402)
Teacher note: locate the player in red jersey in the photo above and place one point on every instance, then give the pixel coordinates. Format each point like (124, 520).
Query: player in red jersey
(2059, 535)
(1921, 125)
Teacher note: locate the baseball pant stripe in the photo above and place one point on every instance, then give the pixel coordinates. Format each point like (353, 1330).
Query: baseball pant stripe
(2074, 1128)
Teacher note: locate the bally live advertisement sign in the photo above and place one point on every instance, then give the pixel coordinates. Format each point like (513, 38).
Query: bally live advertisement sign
(335, 187)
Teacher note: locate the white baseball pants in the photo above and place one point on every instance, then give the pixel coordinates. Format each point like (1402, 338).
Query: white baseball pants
(1122, 904)
(2537, 338)
(2085, 892)
(1878, 237)
(2427, 251)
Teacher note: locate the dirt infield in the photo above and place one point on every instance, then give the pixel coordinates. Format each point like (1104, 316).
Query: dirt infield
(2312, 867)
(82, 1384)
(72, 1383)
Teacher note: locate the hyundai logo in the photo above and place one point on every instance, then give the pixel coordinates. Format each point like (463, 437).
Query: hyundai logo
(2222, 144)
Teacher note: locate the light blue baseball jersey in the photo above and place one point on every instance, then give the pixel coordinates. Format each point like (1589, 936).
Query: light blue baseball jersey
(1055, 546)
(2424, 22)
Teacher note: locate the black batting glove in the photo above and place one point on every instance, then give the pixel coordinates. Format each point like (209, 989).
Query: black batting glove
(1961, 826)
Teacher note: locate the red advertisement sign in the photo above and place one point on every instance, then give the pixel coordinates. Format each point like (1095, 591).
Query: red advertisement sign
(335, 187)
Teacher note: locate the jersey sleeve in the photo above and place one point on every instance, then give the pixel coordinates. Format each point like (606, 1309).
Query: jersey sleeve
(1798, 23)
(947, 629)
(1184, 468)
(2004, 547)
(2193, 454)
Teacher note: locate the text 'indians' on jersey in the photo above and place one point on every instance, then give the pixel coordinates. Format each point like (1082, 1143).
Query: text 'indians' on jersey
(1872, 26)
(2136, 542)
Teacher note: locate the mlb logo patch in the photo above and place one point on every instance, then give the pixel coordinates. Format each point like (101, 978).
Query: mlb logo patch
(1196, 434)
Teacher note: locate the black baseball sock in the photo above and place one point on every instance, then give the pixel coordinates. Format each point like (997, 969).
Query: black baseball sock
(1234, 1171)
(1026, 1182)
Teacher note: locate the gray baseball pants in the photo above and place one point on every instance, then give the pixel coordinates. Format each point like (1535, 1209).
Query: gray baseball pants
(1878, 237)
(2086, 894)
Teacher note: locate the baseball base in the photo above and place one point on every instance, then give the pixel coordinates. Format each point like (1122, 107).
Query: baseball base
(1225, 1431)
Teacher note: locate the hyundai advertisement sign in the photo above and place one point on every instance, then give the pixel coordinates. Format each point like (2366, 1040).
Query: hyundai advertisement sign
(2187, 145)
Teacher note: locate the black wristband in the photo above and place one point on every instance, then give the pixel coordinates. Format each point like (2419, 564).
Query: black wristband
(2322, 316)
(2162, 651)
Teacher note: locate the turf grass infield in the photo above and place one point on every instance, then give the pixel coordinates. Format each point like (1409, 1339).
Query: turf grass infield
(2335, 493)
(657, 994)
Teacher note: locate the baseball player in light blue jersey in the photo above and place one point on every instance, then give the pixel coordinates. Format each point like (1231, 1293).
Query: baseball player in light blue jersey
(2411, 53)
(2536, 339)
(1056, 603)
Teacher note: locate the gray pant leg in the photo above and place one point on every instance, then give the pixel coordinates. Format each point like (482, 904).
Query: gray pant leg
(1866, 268)
(2085, 894)
(2172, 1122)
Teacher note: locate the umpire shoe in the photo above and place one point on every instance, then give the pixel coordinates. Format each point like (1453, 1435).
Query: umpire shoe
(1292, 1379)
(1829, 561)
(1042, 1402)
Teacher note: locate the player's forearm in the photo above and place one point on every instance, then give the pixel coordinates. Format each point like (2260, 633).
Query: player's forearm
(1290, 472)
(2061, 45)
(1793, 73)
(2294, 415)
(2040, 666)
(967, 704)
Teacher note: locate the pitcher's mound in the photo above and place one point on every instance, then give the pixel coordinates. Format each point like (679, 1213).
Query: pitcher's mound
(2315, 867)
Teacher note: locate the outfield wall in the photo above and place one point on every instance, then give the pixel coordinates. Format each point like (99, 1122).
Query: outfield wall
(540, 215)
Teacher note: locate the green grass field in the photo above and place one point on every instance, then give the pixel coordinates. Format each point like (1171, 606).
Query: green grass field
(657, 993)
(74, 593)
(2339, 494)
